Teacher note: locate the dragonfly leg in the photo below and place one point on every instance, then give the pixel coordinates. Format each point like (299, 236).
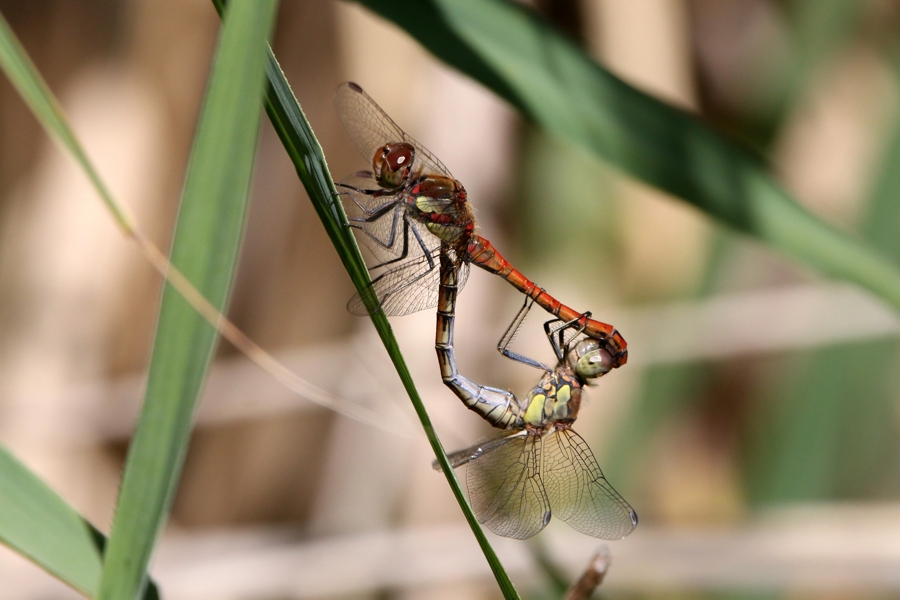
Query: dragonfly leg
(483, 254)
(386, 244)
(404, 252)
(374, 193)
(422, 245)
(353, 188)
(503, 344)
(405, 284)
(557, 336)
(374, 213)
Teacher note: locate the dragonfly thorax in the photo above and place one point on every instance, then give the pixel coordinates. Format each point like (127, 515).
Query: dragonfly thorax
(589, 360)
(392, 164)
(556, 399)
(441, 204)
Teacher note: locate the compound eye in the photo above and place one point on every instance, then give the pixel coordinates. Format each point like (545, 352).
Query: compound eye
(589, 360)
(392, 164)
(399, 157)
(594, 364)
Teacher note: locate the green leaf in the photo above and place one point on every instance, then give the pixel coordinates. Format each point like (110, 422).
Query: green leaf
(510, 50)
(306, 154)
(41, 526)
(44, 528)
(205, 249)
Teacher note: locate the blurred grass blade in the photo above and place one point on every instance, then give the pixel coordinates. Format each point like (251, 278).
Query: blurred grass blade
(205, 249)
(25, 78)
(817, 32)
(833, 432)
(43, 104)
(44, 528)
(34, 520)
(306, 154)
(509, 49)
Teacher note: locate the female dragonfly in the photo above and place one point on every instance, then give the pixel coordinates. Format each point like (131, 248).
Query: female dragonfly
(541, 467)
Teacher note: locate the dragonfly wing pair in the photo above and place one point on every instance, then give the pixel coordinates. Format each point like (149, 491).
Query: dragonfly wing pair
(518, 482)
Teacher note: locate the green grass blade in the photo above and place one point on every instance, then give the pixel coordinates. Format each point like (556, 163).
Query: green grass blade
(44, 528)
(297, 136)
(306, 154)
(205, 249)
(506, 47)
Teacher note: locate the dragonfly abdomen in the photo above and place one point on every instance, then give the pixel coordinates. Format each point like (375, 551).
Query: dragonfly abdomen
(498, 407)
(482, 253)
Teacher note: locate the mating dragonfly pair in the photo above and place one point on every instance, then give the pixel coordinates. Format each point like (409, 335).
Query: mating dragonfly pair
(415, 218)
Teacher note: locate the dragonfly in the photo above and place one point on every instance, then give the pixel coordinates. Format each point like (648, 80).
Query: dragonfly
(410, 211)
(541, 466)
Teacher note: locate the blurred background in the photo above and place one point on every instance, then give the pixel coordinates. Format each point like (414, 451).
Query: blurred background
(754, 429)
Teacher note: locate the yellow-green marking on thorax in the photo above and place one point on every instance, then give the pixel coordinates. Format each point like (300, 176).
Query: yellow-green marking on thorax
(551, 401)
(534, 414)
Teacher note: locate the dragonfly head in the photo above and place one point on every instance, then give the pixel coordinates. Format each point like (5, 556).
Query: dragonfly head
(392, 164)
(589, 360)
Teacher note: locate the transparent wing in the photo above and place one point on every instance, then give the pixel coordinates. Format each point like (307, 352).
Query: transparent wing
(579, 493)
(408, 288)
(370, 128)
(479, 448)
(505, 487)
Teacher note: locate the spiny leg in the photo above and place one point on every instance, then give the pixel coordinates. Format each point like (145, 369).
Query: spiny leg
(376, 193)
(559, 345)
(503, 344)
(389, 243)
(422, 245)
(392, 205)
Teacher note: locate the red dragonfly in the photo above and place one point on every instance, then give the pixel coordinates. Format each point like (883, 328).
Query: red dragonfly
(409, 207)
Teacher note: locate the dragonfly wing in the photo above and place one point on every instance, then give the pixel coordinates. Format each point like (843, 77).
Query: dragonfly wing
(370, 128)
(408, 288)
(505, 487)
(579, 493)
(480, 448)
